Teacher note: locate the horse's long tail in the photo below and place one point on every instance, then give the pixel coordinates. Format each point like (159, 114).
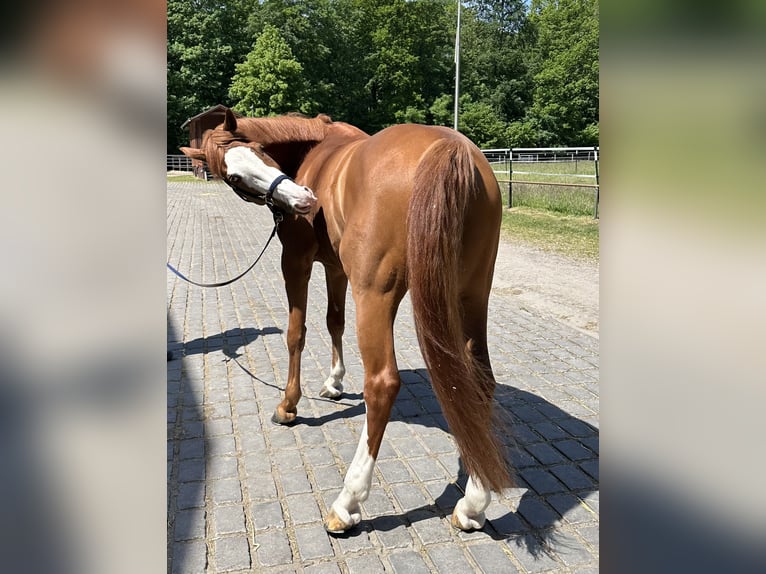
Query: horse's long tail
(445, 182)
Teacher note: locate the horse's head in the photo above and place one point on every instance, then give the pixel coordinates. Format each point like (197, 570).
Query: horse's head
(249, 170)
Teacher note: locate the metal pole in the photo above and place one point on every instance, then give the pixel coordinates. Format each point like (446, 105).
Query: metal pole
(457, 65)
(510, 178)
(598, 185)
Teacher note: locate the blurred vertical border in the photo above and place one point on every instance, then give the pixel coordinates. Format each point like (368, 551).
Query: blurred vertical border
(683, 286)
(82, 289)
(82, 286)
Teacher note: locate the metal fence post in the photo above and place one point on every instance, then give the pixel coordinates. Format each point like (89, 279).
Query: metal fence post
(510, 178)
(598, 185)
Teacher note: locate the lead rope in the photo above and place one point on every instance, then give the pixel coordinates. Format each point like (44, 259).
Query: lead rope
(278, 217)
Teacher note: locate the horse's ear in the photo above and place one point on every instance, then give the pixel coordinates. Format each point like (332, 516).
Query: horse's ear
(230, 121)
(194, 153)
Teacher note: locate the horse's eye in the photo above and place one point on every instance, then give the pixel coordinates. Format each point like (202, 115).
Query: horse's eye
(234, 178)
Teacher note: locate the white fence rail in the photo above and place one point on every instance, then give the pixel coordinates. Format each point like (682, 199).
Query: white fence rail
(511, 163)
(179, 163)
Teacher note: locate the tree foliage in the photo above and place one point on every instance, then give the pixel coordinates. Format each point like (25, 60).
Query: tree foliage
(529, 70)
(270, 81)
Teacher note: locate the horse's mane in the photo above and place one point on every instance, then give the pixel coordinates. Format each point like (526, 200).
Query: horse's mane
(284, 129)
(266, 131)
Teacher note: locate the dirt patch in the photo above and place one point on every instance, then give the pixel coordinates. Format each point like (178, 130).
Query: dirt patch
(549, 283)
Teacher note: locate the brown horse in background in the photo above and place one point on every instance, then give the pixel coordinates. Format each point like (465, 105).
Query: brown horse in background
(411, 207)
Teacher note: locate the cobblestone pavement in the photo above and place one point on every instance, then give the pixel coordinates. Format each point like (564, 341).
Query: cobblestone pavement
(245, 495)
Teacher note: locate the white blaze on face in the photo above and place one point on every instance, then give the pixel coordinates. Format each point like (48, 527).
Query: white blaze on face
(256, 175)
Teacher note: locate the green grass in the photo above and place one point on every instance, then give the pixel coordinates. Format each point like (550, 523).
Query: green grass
(185, 178)
(560, 199)
(571, 235)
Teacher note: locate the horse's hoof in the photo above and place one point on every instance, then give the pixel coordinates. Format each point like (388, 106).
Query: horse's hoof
(287, 419)
(465, 523)
(331, 393)
(334, 525)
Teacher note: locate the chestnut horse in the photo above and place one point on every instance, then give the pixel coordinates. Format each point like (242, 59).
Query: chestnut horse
(411, 207)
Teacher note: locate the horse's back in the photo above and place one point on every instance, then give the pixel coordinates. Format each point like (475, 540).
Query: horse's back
(365, 186)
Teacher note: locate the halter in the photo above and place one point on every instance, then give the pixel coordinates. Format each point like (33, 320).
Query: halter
(273, 187)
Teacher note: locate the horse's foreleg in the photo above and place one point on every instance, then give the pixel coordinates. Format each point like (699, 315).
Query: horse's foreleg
(296, 273)
(381, 385)
(336, 322)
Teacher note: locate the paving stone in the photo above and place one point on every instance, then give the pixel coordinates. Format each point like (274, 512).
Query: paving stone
(260, 487)
(409, 496)
(288, 460)
(537, 513)
(327, 477)
(409, 448)
(430, 527)
(295, 482)
(319, 456)
(590, 533)
(572, 477)
(574, 450)
(394, 471)
(267, 515)
(220, 467)
(229, 519)
(571, 550)
(491, 558)
(392, 532)
(192, 448)
(189, 524)
(591, 467)
(542, 481)
(427, 469)
(273, 548)
(189, 557)
(256, 464)
(313, 542)
(378, 503)
(322, 568)
(571, 507)
(302, 508)
(449, 559)
(546, 454)
(191, 495)
(355, 540)
(408, 562)
(364, 564)
(534, 558)
(232, 554)
(224, 491)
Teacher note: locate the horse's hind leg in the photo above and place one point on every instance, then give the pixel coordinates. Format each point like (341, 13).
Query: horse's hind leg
(336, 322)
(375, 317)
(469, 510)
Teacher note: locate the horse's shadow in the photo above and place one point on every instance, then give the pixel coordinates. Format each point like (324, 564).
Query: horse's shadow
(229, 342)
(554, 456)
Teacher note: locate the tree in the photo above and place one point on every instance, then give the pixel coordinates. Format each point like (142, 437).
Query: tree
(270, 81)
(206, 39)
(493, 68)
(319, 33)
(565, 101)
